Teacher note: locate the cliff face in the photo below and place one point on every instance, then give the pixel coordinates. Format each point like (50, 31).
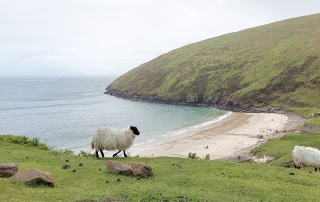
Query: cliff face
(272, 65)
(225, 105)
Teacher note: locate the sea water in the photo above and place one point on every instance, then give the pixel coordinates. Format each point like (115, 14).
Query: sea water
(64, 112)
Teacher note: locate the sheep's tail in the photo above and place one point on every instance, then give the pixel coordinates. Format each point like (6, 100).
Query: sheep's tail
(92, 145)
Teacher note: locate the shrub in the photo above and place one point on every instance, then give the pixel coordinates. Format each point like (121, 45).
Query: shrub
(23, 140)
(193, 156)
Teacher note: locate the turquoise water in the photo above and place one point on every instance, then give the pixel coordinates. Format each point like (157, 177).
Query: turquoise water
(64, 112)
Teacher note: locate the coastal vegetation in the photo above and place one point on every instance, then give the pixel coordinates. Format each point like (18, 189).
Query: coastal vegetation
(274, 65)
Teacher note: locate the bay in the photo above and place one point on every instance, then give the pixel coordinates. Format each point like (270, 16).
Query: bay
(64, 112)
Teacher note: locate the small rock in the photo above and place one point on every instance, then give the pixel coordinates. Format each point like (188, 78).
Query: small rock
(8, 169)
(118, 168)
(118, 180)
(34, 176)
(239, 159)
(80, 164)
(141, 170)
(308, 129)
(65, 166)
(291, 173)
(74, 170)
(286, 165)
(260, 136)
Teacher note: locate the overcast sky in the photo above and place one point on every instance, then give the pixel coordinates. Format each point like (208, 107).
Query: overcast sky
(114, 36)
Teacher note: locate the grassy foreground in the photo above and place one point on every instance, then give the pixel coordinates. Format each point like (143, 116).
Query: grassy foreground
(175, 179)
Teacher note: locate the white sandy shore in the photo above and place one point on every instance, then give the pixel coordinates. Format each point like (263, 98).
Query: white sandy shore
(235, 135)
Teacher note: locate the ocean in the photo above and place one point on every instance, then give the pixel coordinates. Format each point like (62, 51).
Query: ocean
(64, 112)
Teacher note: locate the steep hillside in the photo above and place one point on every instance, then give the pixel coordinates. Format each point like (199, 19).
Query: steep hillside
(271, 65)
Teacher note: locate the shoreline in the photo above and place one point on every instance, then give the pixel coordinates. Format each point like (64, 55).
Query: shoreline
(233, 136)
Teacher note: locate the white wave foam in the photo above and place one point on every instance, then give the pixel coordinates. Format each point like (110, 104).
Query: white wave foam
(204, 125)
(143, 143)
(184, 131)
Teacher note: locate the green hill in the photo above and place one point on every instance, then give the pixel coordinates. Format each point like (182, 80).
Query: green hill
(271, 65)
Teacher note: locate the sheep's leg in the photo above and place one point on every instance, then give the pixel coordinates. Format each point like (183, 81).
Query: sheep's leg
(97, 155)
(315, 169)
(102, 154)
(116, 153)
(124, 152)
(295, 166)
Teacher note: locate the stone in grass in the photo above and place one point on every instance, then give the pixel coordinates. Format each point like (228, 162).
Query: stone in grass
(118, 168)
(133, 169)
(240, 159)
(141, 170)
(34, 177)
(8, 169)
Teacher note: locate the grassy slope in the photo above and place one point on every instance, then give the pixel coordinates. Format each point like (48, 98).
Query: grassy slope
(196, 180)
(275, 64)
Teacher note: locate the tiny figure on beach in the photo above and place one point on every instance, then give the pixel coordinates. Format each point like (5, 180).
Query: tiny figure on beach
(206, 147)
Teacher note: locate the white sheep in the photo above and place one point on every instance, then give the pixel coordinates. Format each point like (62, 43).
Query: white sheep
(306, 157)
(111, 139)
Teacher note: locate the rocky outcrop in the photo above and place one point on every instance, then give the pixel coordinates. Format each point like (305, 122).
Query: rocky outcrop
(218, 103)
(8, 169)
(34, 177)
(133, 169)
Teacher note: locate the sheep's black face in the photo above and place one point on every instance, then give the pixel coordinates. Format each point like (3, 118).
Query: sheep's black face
(135, 130)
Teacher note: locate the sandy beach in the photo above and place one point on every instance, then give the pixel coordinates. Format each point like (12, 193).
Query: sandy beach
(236, 135)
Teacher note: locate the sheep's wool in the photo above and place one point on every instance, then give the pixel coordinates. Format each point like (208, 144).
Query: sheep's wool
(306, 156)
(111, 139)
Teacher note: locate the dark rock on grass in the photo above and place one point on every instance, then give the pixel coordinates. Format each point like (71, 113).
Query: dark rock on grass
(8, 169)
(80, 164)
(65, 166)
(291, 173)
(34, 177)
(239, 159)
